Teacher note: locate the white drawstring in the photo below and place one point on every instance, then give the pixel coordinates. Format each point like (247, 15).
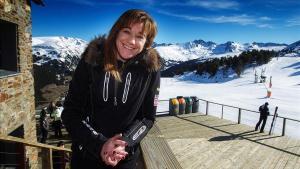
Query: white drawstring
(105, 86)
(126, 88)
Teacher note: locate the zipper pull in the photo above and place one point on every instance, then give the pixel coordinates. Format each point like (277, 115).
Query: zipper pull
(115, 101)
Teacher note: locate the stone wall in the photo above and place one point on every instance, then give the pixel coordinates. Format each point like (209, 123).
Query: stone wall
(17, 91)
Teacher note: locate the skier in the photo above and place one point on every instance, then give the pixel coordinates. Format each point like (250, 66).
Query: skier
(264, 112)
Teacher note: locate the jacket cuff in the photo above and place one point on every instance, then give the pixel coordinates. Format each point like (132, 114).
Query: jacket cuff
(96, 145)
(136, 132)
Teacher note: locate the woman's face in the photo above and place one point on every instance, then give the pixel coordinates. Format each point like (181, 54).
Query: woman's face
(130, 41)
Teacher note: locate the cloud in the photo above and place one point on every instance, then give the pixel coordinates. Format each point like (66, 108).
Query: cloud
(211, 5)
(141, 1)
(265, 26)
(293, 22)
(265, 18)
(239, 19)
(235, 19)
(242, 19)
(80, 2)
(91, 3)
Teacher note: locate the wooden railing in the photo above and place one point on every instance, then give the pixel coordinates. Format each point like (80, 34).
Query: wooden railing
(45, 150)
(240, 111)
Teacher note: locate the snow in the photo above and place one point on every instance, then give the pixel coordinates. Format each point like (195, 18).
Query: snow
(57, 48)
(244, 93)
(200, 49)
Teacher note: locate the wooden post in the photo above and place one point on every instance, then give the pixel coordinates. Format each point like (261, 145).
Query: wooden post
(240, 114)
(47, 158)
(207, 107)
(50, 158)
(283, 126)
(222, 111)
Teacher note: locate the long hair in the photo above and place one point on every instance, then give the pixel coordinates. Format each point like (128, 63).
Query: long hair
(125, 20)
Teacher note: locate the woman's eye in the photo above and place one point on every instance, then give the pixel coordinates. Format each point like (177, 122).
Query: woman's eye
(140, 37)
(126, 31)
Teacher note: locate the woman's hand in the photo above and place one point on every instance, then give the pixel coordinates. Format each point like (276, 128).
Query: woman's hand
(113, 150)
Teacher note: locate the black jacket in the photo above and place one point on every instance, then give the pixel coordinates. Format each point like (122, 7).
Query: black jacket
(264, 110)
(97, 107)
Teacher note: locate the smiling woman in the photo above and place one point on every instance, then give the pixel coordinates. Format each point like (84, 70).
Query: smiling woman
(130, 41)
(105, 117)
(136, 30)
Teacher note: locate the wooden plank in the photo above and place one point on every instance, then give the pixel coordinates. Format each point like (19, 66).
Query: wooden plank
(200, 141)
(284, 157)
(157, 153)
(292, 158)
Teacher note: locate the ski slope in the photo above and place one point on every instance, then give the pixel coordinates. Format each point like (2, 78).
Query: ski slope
(243, 92)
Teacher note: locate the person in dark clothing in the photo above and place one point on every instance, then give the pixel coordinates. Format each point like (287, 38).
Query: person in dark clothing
(56, 120)
(112, 98)
(44, 126)
(264, 112)
(60, 158)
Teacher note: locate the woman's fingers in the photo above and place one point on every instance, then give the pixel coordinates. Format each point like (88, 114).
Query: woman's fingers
(120, 143)
(123, 153)
(117, 139)
(117, 136)
(110, 161)
(113, 150)
(119, 156)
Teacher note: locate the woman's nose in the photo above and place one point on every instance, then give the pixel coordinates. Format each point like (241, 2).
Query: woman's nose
(131, 39)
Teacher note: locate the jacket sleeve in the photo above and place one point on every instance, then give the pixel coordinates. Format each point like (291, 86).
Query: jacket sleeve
(144, 122)
(74, 115)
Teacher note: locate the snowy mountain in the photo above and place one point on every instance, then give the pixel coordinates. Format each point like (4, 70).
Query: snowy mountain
(58, 56)
(66, 51)
(63, 50)
(200, 49)
(292, 50)
(55, 58)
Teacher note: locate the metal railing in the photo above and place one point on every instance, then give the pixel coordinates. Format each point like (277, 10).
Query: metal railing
(240, 111)
(44, 154)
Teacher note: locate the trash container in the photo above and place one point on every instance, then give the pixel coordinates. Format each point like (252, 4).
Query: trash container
(188, 105)
(195, 107)
(182, 104)
(173, 106)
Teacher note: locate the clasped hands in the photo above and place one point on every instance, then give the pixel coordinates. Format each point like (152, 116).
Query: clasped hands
(113, 150)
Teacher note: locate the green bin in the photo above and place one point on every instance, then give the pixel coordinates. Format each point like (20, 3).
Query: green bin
(189, 105)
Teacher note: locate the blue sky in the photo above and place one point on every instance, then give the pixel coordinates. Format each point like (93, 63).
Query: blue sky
(178, 20)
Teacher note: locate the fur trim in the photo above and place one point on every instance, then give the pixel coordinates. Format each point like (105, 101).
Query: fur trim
(149, 58)
(152, 60)
(93, 53)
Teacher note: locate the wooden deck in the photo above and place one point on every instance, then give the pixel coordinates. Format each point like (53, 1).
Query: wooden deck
(195, 141)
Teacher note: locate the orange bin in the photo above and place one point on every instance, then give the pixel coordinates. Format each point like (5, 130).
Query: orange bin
(182, 104)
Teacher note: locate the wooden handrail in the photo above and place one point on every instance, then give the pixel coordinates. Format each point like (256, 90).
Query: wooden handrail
(32, 144)
(242, 109)
(240, 113)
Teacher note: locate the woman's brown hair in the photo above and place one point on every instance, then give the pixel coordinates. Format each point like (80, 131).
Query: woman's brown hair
(125, 20)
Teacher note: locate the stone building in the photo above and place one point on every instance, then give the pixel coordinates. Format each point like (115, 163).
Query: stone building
(17, 111)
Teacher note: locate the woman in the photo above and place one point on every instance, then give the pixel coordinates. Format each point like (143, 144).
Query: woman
(112, 98)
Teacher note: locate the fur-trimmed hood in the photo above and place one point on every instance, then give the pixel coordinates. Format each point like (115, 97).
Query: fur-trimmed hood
(94, 54)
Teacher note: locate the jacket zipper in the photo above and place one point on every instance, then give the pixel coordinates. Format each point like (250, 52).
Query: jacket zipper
(116, 93)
